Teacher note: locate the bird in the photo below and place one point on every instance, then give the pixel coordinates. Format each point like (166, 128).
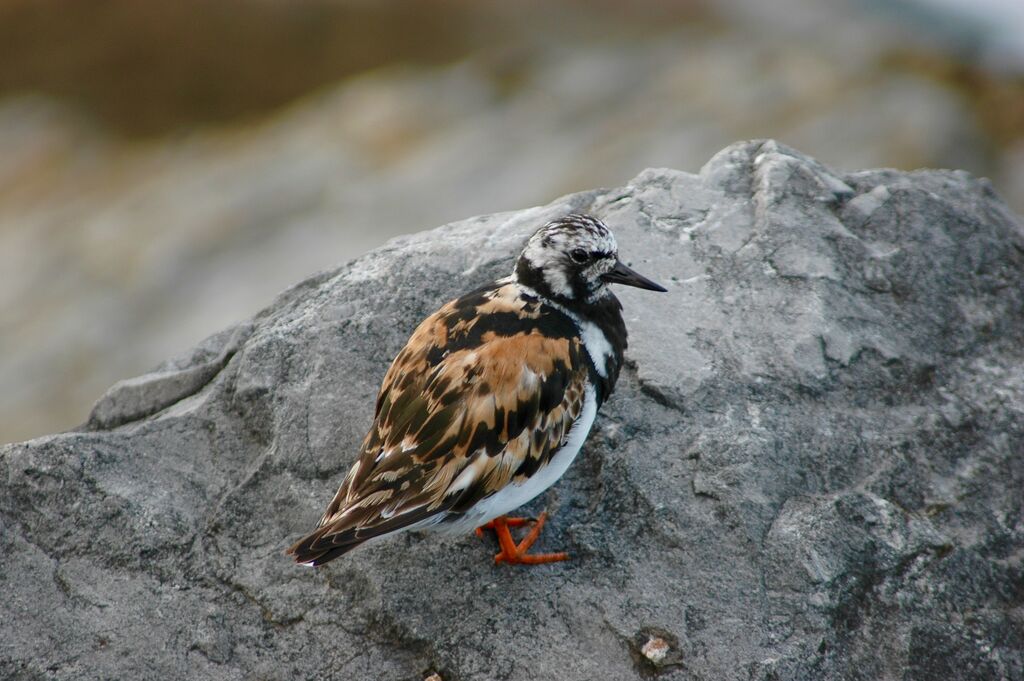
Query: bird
(490, 400)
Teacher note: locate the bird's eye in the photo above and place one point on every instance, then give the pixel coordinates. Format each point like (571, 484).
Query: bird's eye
(579, 256)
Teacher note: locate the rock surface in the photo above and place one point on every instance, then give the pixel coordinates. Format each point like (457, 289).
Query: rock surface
(812, 467)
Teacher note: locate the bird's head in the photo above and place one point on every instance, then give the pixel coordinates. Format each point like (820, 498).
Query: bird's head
(574, 258)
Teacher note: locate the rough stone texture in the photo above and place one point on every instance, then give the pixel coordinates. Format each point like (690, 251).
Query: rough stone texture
(812, 467)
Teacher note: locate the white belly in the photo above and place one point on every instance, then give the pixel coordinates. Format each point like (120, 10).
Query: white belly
(512, 496)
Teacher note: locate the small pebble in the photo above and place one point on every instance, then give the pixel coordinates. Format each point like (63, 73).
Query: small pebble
(655, 650)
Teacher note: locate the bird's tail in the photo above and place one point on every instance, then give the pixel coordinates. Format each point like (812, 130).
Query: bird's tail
(322, 546)
(337, 536)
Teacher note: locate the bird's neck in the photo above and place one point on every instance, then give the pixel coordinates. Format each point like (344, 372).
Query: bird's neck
(600, 327)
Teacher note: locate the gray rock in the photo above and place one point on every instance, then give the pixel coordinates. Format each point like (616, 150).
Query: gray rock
(812, 467)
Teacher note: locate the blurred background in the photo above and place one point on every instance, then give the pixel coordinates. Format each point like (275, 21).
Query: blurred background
(167, 167)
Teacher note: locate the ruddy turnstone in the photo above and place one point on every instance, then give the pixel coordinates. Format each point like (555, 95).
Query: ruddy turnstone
(490, 400)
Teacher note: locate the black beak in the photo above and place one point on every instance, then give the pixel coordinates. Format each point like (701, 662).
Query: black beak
(621, 274)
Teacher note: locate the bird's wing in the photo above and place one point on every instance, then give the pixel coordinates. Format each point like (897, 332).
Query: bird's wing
(483, 394)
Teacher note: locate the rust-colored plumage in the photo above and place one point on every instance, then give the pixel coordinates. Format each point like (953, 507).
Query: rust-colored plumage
(477, 397)
(489, 390)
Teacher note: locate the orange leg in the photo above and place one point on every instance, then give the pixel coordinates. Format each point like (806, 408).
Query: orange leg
(516, 554)
(506, 520)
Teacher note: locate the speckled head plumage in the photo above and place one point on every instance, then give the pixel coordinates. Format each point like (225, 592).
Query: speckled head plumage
(573, 259)
(490, 400)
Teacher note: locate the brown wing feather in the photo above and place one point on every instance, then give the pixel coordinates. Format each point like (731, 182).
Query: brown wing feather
(479, 396)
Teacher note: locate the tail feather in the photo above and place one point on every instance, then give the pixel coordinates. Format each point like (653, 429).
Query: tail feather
(320, 547)
(338, 537)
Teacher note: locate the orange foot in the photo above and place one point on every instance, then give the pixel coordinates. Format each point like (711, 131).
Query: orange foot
(516, 554)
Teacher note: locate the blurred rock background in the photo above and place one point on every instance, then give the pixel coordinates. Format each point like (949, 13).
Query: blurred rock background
(166, 168)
